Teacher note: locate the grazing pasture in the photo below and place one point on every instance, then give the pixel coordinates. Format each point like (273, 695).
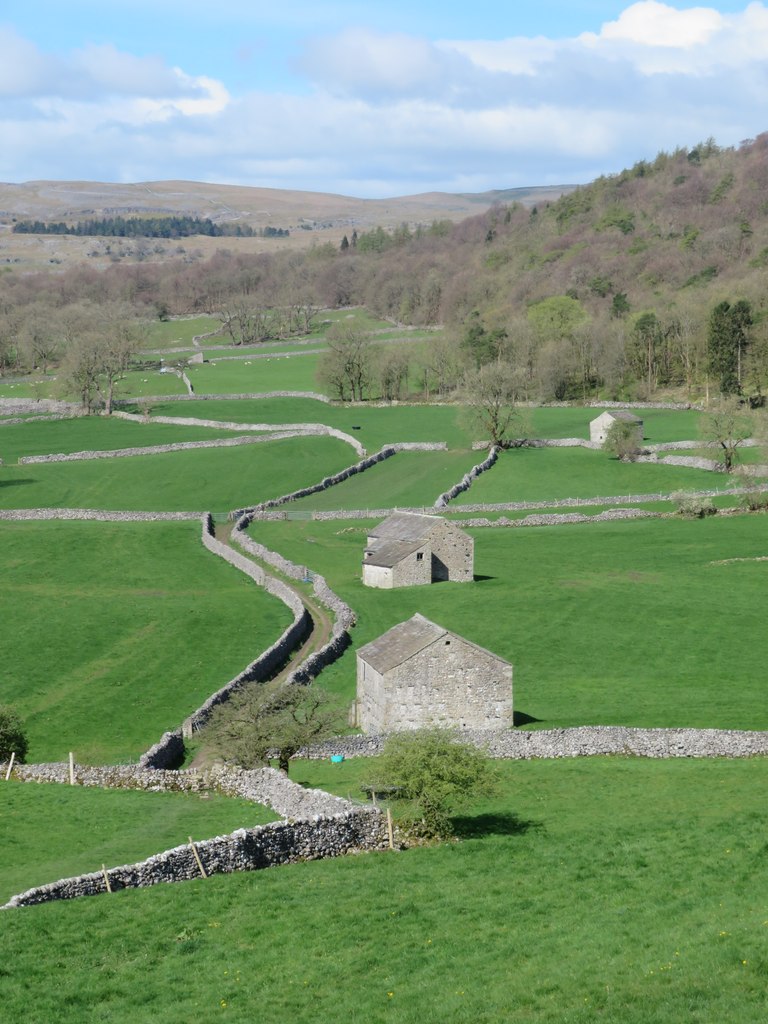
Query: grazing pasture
(115, 632)
(607, 889)
(53, 831)
(644, 623)
(213, 479)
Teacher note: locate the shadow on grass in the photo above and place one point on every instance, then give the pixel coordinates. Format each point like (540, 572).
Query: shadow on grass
(15, 483)
(520, 718)
(483, 579)
(504, 823)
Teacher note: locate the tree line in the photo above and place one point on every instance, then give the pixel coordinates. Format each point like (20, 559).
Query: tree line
(148, 227)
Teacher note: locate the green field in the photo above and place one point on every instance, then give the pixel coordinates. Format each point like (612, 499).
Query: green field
(628, 623)
(216, 479)
(630, 892)
(539, 474)
(53, 831)
(114, 633)
(179, 331)
(406, 480)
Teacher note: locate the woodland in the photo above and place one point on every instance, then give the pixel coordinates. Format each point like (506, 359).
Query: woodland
(642, 284)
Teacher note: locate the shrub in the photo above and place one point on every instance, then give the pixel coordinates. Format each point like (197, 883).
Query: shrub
(693, 506)
(437, 773)
(13, 739)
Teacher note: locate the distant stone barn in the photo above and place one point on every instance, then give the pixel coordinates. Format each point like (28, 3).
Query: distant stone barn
(599, 427)
(408, 549)
(419, 674)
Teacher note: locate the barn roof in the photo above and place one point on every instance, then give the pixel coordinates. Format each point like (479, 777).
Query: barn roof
(405, 640)
(621, 414)
(398, 536)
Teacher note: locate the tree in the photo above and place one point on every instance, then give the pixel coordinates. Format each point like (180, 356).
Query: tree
(437, 773)
(346, 368)
(267, 717)
(727, 425)
(490, 394)
(623, 439)
(727, 342)
(99, 356)
(13, 739)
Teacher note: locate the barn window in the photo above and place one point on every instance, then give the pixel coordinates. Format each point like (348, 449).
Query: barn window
(419, 556)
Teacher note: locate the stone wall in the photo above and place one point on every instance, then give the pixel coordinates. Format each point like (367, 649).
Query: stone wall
(584, 741)
(316, 396)
(161, 449)
(94, 515)
(468, 479)
(325, 483)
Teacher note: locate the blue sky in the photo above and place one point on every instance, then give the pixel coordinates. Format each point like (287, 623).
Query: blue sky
(372, 99)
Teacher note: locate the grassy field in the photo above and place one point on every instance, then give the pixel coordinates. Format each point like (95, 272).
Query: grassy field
(629, 892)
(538, 474)
(217, 479)
(406, 480)
(115, 632)
(636, 623)
(52, 831)
(179, 332)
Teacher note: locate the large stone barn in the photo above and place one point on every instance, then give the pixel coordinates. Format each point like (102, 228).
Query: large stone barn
(599, 427)
(419, 674)
(408, 549)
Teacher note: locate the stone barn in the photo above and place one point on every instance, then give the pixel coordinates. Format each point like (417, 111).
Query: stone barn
(599, 427)
(419, 674)
(408, 549)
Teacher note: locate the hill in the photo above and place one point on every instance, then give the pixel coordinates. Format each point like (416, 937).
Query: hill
(310, 217)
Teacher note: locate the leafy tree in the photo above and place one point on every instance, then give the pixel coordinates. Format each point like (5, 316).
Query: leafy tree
(13, 739)
(437, 773)
(648, 336)
(623, 439)
(273, 717)
(727, 340)
(557, 317)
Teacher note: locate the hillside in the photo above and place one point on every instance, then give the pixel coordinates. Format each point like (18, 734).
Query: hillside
(310, 217)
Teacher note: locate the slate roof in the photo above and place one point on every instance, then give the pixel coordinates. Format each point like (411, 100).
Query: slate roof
(621, 414)
(401, 642)
(399, 535)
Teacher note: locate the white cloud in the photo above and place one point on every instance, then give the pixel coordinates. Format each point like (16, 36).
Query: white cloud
(650, 23)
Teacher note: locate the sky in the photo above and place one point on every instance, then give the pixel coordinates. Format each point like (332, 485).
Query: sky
(372, 100)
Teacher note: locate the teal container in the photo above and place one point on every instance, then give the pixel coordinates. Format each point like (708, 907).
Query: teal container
(337, 758)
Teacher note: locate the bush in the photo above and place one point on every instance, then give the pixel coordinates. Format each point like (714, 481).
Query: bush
(13, 740)
(692, 506)
(437, 773)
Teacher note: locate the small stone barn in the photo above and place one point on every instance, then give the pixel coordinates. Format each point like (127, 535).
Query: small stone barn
(419, 674)
(599, 427)
(408, 549)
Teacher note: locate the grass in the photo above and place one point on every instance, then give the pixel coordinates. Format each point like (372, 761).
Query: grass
(53, 831)
(632, 623)
(541, 474)
(179, 332)
(630, 892)
(91, 433)
(406, 480)
(217, 479)
(116, 632)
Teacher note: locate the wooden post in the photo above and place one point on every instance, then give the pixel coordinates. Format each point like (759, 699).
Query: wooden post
(197, 857)
(106, 877)
(71, 768)
(9, 769)
(389, 830)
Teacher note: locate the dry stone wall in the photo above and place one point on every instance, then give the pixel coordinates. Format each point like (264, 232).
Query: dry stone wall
(468, 479)
(94, 515)
(315, 395)
(584, 741)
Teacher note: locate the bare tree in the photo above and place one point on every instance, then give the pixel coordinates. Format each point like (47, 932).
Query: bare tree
(727, 425)
(346, 368)
(490, 394)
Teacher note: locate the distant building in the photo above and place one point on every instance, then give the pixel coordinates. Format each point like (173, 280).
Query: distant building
(599, 427)
(408, 549)
(419, 674)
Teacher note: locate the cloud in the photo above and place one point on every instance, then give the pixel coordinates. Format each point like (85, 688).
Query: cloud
(388, 113)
